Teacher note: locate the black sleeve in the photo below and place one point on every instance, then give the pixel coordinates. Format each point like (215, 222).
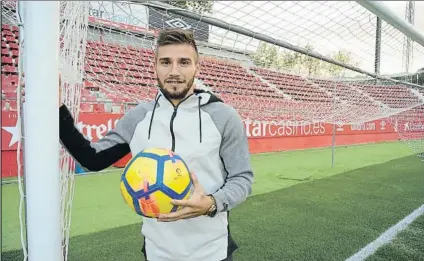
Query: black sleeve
(94, 156)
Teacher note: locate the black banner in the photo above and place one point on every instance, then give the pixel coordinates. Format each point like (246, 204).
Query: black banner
(160, 20)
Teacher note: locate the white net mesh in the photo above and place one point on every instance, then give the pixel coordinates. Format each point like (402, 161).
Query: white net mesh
(11, 50)
(410, 128)
(329, 27)
(282, 85)
(74, 15)
(264, 81)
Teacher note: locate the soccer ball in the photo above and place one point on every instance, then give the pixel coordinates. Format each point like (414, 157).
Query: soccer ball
(152, 178)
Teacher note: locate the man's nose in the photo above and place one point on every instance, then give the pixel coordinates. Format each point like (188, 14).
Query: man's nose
(174, 70)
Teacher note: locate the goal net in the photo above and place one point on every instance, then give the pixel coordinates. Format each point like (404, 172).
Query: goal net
(282, 63)
(316, 63)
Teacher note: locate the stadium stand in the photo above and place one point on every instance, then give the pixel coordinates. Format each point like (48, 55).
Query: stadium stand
(297, 87)
(243, 87)
(393, 96)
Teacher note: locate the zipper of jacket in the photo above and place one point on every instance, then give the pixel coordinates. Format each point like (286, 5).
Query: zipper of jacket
(171, 125)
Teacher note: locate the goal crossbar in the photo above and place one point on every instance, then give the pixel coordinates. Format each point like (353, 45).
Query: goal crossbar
(380, 10)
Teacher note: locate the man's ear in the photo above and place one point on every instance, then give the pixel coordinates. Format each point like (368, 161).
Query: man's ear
(154, 63)
(197, 69)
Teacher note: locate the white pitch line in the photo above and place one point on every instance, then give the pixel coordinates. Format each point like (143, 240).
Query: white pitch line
(387, 236)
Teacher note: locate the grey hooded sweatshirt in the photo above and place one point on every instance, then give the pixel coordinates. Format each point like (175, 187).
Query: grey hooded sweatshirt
(210, 136)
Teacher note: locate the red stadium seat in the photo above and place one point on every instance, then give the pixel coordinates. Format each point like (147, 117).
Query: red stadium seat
(98, 107)
(86, 107)
(9, 69)
(6, 60)
(14, 46)
(5, 51)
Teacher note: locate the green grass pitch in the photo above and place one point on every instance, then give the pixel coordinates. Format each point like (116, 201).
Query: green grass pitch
(301, 209)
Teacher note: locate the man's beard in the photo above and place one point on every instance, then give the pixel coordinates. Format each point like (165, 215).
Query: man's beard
(176, 95)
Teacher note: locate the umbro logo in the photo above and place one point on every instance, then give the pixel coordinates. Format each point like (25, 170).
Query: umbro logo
(178, 23)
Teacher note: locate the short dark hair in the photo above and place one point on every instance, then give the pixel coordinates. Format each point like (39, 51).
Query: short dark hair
(176, 36)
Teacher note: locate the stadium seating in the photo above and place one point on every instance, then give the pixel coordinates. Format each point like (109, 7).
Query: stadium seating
(226, 77)
(117, 74)
(114, 67)
(344, 91)
(9, 61)
(297, 87)
(393, 96)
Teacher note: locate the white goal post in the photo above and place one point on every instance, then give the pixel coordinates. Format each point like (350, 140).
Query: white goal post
(52, 40)
(41, 128)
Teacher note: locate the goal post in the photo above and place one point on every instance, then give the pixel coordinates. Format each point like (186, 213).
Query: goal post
(41, 128)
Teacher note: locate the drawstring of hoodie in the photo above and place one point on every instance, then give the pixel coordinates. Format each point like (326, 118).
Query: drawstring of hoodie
(153, 114)
(200, 117)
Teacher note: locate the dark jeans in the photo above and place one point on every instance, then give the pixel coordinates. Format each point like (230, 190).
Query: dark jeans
(230, 258)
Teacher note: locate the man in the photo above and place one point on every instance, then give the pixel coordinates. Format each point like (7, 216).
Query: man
(208, 134)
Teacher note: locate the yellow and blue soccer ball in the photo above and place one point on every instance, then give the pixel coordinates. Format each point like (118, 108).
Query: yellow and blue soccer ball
(152, 178)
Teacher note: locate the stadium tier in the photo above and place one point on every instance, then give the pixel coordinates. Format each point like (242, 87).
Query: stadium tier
(393, 96)
(240, 85)
(297, 87)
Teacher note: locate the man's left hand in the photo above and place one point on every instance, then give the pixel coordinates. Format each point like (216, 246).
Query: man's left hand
(198, 204)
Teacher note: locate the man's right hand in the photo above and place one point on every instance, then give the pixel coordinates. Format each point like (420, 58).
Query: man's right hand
(23, 88)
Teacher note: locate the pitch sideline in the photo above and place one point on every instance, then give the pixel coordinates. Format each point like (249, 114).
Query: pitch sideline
(387, 236)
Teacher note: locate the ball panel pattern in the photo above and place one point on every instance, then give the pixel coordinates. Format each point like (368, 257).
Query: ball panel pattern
(152, 179)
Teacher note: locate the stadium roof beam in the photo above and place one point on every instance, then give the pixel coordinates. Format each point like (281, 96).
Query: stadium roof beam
(259, 36)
